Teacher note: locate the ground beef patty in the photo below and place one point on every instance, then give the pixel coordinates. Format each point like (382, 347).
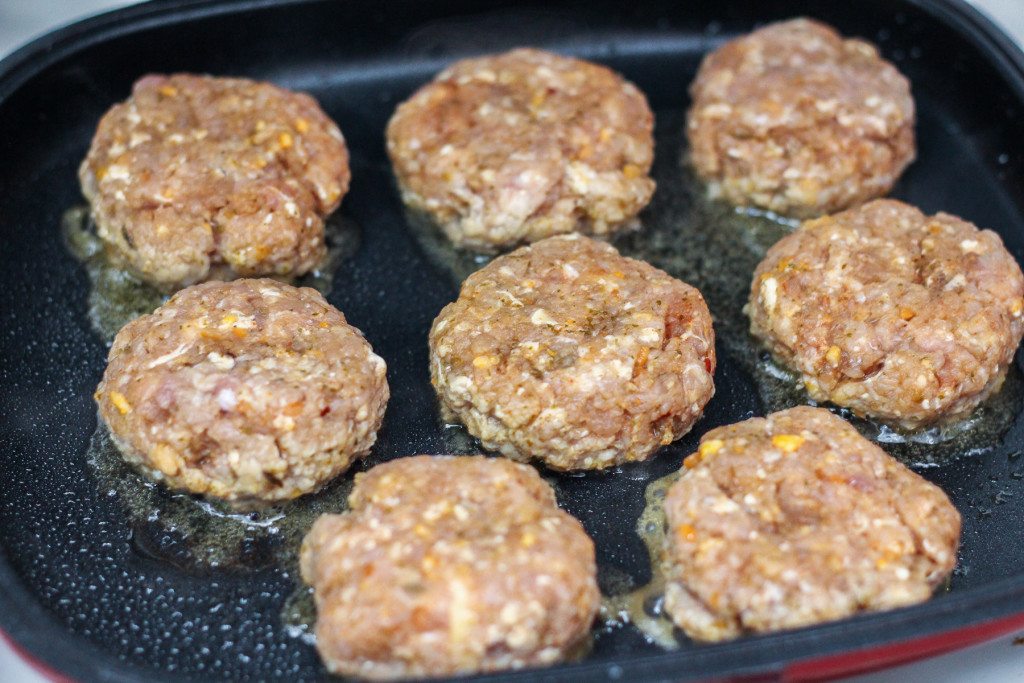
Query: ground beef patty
(250, 391)
(512, 148)
(449, 565)
(795, 519)
(795, 119)
(195, 172)
(907, 318)
(569, 353)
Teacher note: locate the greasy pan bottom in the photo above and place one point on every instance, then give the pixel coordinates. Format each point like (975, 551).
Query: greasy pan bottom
(127, 599)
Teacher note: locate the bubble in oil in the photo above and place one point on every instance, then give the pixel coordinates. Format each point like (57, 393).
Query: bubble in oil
(342, 236)
(298, 614)
(975, 435)
(116, 297)
(643, 607)
(197, 535)
(614, 580)
(456, 263)
(934, 446)
(458, 440)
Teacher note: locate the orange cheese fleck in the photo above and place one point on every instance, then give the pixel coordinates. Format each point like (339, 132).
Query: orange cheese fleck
(788, 442)
(710, 447)
(120, 402)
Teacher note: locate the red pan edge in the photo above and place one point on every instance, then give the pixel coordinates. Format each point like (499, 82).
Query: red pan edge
(38, 666)
(885, 656)
(821, 669)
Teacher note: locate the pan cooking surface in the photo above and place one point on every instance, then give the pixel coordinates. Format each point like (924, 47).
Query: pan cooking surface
(145, 583)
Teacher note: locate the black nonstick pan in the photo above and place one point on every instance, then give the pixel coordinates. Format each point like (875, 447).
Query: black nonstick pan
(103, 577)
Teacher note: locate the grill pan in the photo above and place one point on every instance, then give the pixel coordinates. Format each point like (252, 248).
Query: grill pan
(90, 590)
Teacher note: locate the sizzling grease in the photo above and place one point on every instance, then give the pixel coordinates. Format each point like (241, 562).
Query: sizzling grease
(196, 535)
(117, 297)
(643, 607)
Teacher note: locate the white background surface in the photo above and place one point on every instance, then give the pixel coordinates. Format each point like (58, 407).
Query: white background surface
(996, 662)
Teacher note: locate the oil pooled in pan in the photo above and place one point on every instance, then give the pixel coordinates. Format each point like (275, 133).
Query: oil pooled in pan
(198, 535)
(117, 297)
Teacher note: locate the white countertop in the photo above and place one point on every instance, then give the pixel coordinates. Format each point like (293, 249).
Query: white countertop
(998, 661)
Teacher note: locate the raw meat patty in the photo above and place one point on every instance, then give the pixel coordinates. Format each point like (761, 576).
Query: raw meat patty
(907, 318)
(569, 353)
(449, 565)
(798, 120)
(795, 519)
(197, 177)
(250, 391)
(512, 148)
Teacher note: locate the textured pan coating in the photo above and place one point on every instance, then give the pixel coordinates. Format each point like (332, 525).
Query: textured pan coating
(512, 148)
(796, 119)
(907, 318)
(196, 177)
(250, 391)
(567, 352)
(449, 565)
(795, 519)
